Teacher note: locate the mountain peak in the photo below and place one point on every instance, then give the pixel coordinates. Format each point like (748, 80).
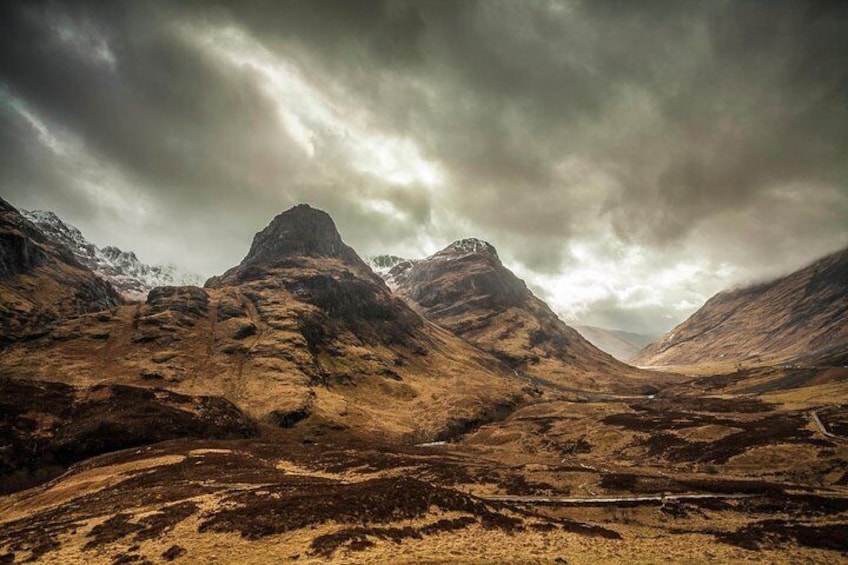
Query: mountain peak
(301, 230)
(471, 245)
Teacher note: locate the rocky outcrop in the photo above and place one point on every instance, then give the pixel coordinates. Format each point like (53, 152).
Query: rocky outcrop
(41, 281)
(300, 232)
(793, 316)
(301, 255)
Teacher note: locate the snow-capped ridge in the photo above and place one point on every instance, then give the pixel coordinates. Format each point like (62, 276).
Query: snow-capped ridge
(382, 264)
(389, 266)
(123, 269)
(471, 245)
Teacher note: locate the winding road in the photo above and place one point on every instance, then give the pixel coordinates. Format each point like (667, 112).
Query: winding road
(822, 428)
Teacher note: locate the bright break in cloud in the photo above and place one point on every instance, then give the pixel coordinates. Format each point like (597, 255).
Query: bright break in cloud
(628, 159)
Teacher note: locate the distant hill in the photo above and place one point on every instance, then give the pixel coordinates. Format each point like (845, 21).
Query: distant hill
(620, 344)
(800, 315)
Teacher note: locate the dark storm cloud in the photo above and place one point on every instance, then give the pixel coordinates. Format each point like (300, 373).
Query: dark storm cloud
(693, 109)
(710, 130)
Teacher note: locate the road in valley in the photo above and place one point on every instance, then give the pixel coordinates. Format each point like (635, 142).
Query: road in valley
(614, 499)
(822, 428)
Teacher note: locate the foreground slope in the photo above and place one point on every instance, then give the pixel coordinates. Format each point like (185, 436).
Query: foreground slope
(48, 426)
(41, 282)
(301, 333)
(801, 314)
(466, 289)
(272, 500)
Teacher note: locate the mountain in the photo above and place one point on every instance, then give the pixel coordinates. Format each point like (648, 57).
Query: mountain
(41, 280)
(300, 333)
(130, 276)
(620, 344)
(129, 435)
(466, 289)
(799, 315)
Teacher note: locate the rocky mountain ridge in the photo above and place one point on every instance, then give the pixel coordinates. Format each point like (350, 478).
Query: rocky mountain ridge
(466, 288)
(123, 269)
(300, 333)
(41, 281)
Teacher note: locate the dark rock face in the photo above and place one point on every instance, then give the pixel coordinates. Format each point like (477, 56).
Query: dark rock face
(301, 253)
(48, 426)
(19, 255)
(292, 240)
(288, 418)
(189, 300)
(356, 304)
(23, 246)
(168, 309)
(467, 274)
(299, 231)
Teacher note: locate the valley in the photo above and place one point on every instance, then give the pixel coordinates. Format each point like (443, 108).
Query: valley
(300, 408)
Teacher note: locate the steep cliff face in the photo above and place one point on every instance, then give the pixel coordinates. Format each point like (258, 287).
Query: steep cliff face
(803, 314)
(301, 333)
(41, 282)
(301, 231)
(465, 288)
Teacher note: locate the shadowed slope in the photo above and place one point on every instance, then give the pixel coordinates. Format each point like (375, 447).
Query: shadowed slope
(793, 316)
(40, 280)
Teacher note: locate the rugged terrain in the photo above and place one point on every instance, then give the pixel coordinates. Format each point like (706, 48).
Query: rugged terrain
(296, 410)
(302, 333)
(800, 315)
(48, 426)
(466, 289)
(641, 481)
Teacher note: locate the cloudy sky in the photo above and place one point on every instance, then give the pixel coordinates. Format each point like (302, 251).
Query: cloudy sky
(628, 159)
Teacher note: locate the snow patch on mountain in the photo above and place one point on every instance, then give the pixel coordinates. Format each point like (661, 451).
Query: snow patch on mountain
(129, 275)
(470, 245)
(389, 267)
